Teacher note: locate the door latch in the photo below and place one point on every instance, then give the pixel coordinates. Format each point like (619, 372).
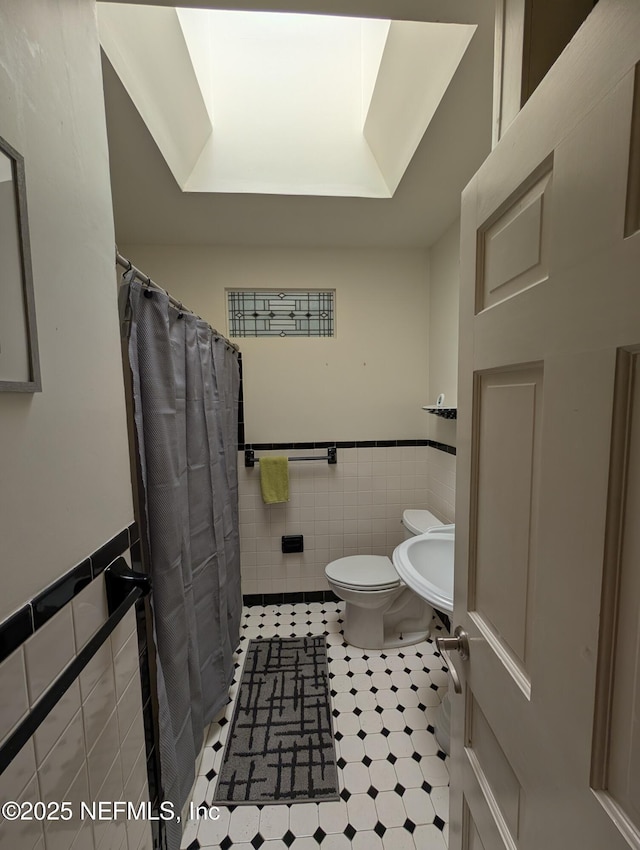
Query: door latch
(459, 643)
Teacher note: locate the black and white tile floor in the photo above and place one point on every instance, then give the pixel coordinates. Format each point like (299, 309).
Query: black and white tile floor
(393, 777)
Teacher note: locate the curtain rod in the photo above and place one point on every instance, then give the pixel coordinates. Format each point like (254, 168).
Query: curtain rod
(127, 265)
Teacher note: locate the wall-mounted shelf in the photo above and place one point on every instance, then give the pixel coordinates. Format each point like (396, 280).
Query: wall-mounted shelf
(444, 412)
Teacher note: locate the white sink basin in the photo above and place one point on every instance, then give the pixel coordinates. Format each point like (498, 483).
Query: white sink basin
(425, 564)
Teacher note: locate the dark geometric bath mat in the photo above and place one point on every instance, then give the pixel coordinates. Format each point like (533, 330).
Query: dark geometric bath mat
(280, 747)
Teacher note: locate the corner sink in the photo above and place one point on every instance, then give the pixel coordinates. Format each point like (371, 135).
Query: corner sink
(425, 564)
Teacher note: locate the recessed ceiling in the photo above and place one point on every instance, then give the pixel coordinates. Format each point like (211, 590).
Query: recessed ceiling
(156, 152)
(281, 103)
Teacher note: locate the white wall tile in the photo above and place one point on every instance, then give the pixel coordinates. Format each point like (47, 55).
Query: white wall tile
(102, 755)
(137, 829)
(136, 786)
(23, 834)
(56, 722)
(126, 664)
(61, 834)
(107, 833)
(90, 610)
(98, 707)
(123, 630)
(84, 839)
(96, 668)
(132, 745)
(14, 700)
(18, 774)
(129, 705)
(58, 770)
(48, 652)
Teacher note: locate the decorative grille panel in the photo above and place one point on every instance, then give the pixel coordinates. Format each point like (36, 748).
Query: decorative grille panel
(280, 313)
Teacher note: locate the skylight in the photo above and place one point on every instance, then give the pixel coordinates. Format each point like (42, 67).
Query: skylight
(276, 103)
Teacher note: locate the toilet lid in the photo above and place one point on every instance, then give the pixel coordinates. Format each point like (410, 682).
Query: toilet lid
(365, 572)
(417, 521)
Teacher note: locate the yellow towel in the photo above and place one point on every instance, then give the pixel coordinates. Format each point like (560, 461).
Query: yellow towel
(274, 479)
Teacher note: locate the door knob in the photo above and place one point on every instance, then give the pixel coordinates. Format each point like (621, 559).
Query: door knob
(459, 643)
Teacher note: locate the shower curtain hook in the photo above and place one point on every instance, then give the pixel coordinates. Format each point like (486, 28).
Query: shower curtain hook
(128, 268)
(147, 284)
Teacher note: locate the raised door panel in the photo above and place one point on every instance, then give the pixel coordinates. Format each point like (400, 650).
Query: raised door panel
(494, 772)
(504, 493)
(513, 246)
(632, 212)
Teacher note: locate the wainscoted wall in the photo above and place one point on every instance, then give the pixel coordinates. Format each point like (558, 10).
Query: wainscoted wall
(91, 747)
(354, 507)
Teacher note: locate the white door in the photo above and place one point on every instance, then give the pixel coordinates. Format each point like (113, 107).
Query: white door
(546, 732)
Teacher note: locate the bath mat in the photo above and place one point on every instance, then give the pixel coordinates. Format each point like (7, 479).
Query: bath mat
(280, 747)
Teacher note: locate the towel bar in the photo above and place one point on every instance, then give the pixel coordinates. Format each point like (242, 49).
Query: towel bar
(331, 457)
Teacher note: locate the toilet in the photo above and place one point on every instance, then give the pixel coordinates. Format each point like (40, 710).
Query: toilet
(381, 612)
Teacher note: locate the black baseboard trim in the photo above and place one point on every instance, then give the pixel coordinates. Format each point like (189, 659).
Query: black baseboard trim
(446, 621)
(308, 596)
(251, 599)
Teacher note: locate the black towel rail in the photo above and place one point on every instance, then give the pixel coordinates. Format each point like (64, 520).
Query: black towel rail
(331, 457)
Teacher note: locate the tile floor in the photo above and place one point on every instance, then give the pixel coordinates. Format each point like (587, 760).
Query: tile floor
(393, 777)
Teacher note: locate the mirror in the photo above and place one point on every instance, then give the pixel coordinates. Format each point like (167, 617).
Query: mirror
(19, 362)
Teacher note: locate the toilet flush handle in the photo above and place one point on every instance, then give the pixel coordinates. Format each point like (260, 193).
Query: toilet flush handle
(458, 643)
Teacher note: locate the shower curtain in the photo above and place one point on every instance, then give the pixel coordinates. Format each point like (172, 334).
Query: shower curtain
(185, 388)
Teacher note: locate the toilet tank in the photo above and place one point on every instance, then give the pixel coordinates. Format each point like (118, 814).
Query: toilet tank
(417, 522)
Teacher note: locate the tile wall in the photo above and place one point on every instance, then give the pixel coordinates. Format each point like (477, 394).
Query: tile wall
(441, 484)
(354, 507)
(91, 747)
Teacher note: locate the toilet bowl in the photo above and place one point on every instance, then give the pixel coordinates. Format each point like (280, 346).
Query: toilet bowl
(381, 612)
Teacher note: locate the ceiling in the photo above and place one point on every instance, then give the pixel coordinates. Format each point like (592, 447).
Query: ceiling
(150, 208)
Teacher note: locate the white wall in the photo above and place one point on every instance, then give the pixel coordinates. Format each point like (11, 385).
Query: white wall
(419, 61)
(367, 383)
(63, 452)
(444, 277)
(146, 46)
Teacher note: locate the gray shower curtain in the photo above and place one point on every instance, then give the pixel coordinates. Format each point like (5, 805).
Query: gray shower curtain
(185, 388)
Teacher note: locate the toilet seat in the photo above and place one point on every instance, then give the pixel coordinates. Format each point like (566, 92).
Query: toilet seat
(363, 572)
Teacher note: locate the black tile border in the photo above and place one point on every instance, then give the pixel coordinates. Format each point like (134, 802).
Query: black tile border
(56, 596)
(101, 559)
(240, 403)
(17, 628)
(308, 596)
(442, 447)
(346, 444)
